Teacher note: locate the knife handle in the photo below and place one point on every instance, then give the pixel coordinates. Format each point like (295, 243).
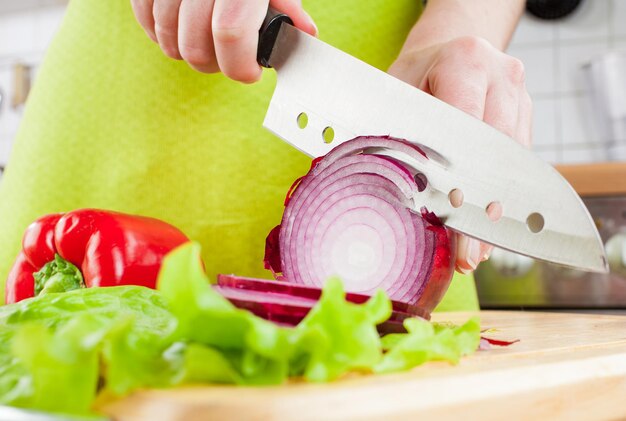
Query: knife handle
(268, 34)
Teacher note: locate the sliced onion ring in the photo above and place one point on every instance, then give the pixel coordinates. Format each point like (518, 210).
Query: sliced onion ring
(298, 290)
(281, 305)
(353, 216)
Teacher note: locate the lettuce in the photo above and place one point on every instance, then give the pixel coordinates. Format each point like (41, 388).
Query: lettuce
(52, 344)
(59, 350)
(428, 342)
(338, 336)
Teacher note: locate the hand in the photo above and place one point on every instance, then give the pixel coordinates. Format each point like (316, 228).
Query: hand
(486, 83)
(214, 35)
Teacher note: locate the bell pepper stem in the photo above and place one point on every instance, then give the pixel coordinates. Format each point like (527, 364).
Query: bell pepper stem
(58, 275)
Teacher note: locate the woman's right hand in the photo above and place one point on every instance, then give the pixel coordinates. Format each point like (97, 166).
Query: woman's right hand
(214, 35)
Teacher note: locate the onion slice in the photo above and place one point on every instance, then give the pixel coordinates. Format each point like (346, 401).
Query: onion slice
(265, 302)
(311, 293)
(355, 216)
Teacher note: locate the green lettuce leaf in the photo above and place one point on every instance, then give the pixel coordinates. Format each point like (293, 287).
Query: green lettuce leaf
(258, 350)
(428, 342)
(203, 364)
(63, 364)
(49, 335)
(338, 336)
(118, 339)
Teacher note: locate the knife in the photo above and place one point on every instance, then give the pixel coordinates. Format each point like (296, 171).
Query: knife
(542, 216)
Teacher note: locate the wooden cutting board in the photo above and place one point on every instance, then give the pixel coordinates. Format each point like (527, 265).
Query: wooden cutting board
(566, 366)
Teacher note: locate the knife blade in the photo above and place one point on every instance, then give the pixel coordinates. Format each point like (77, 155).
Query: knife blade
(542, 216)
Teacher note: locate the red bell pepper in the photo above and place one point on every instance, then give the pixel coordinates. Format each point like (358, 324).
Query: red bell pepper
(90, 248)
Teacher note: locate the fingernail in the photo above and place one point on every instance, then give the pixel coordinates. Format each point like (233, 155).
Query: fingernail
(312, 22)
(464, 271)
(473, 253)
(487, 253)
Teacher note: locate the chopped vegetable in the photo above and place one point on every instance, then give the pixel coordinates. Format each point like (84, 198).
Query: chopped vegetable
(428, 342)
(271, 303)
(89, 247)
(299, 290)
(50, 343)
(487, 343)
(117, 339)
(338, 336)
(351, 216)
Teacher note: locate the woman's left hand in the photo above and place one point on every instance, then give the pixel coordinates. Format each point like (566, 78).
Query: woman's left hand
(472, 75)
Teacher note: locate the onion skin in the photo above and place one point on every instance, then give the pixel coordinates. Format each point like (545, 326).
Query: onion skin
(352, 215)
(272, 252)
(443, 266)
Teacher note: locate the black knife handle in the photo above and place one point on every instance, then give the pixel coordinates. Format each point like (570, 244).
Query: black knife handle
(268, 34)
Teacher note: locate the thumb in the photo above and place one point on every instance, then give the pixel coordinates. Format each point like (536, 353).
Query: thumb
(301, 19)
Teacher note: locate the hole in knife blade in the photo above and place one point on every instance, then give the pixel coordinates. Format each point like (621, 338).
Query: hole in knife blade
(328, 134)
(535, 222)
(494, 211)
(456, 198)
(302, 120)
(421, 181)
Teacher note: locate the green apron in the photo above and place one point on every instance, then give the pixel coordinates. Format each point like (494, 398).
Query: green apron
(112, 123)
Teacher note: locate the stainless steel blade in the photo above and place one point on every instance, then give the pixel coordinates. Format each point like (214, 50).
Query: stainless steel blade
(336, 90)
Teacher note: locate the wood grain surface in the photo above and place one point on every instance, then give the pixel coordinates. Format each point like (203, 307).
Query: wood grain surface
(601, 179)
(566, 366)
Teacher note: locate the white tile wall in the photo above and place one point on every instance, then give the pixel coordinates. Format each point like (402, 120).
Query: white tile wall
(589, 21)
(571, 58)
(48, 21)
(549, 155)
(553, 53)
(9, 117)
(583, 155)
(619, 44)
(618, 20)
(577, 126)
(24, 37)
(534, 31)
(17, 33)
(5, 109)
(545, 123)
(5, 149)
(540, 64)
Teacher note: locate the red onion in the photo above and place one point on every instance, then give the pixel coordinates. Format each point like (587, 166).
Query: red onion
(259, 287)
(352, 216)
(276, 301)
(264, 302)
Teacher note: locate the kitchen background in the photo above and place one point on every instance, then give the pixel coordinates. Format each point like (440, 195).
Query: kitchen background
(553, 52)
(566, 131)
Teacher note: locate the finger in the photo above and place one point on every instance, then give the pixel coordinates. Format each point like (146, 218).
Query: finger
(502, 108)
(195, 41)
(469, 254)
(465, 89)
(301, 19)
(143, 14)
(503, 98)
(524, 130)
(486, 250)
(462, 82)
(414, 68)
(166, 26)
(236, 26)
